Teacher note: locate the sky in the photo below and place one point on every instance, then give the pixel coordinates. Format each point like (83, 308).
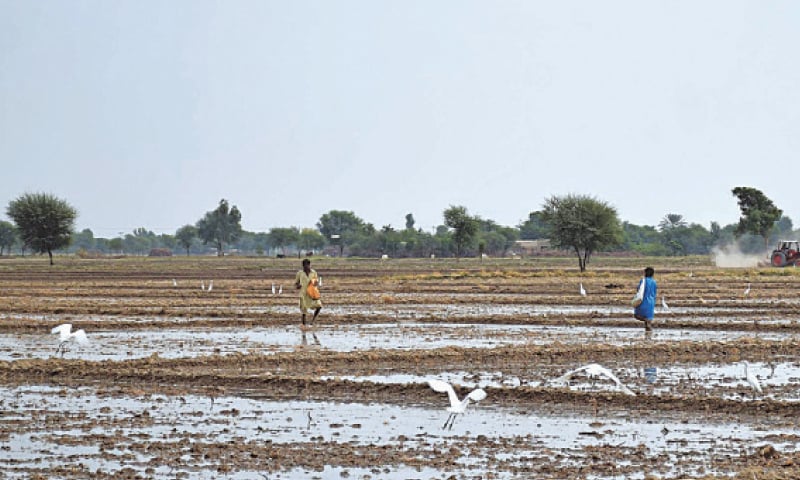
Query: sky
(146, 113)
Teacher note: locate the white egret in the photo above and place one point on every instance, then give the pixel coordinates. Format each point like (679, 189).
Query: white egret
(210, 285)
(174, 283)
(595, 370)
(582, 290)
(664, 303)
(747, 290)
(65, 335)
(273, 289)
(319, 284)
(202, 285)
(456, 406)
(280, 289)
(751, 378)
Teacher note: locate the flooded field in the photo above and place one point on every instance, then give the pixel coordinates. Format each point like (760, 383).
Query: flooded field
(179, 382)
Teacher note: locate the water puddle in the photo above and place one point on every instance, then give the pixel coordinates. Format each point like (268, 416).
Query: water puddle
(52, 426)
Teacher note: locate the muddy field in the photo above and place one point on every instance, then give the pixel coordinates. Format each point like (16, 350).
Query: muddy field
(179, 382)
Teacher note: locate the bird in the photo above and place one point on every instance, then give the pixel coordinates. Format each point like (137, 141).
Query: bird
(751, 378)
(664, 303)
(582, 290)
(280, 289)
(320, 281)
(595, 370)
(747, 290)
(691, 274)
(273, 289)
(210, 285)
(202, 285)
(174, 283)
(65, 335)
(456, 406)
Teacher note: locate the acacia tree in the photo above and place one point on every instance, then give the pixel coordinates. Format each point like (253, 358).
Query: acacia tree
(464, 227)
(343, 228)
(310, 239)
(281, 237)
(44, 222)
(185, 237)
(759, 214)
(8, 235)
(582, 223)
(220, 226)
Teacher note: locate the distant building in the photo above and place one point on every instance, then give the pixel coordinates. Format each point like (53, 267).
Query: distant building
(531, 247)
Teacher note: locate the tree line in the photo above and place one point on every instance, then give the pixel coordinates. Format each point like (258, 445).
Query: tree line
(580, 224)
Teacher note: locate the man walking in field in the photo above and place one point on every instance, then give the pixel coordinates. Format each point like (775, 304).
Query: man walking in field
(306, 281)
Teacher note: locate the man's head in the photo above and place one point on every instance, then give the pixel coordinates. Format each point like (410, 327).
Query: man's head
(649, 272)
(306, 264)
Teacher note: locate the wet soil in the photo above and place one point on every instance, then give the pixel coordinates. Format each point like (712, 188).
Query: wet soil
(179, 382)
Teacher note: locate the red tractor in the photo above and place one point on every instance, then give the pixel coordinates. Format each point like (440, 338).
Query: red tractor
(787, 253)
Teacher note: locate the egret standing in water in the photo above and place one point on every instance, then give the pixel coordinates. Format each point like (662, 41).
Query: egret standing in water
(582, 290)
(66, 335)
(751, 378)
(747, 290)
(664, 303)
(456, 406)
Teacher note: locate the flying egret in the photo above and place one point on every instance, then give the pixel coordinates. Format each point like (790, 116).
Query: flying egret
(273, 289)
(751, 378)
(456, 406)
(747, 290)
(595, 370)
(210, 285)
(664, 303)
(582, 290)
(65, 335)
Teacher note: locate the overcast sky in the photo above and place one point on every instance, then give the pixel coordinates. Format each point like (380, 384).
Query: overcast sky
(147, 113)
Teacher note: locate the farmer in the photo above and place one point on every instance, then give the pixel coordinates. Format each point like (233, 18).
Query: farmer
(303, 278)
(645, 310)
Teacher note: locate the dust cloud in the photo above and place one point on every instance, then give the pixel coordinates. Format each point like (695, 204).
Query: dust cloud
(731, 256)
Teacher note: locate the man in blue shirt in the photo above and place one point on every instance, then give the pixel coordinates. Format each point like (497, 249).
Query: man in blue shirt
(646, 310)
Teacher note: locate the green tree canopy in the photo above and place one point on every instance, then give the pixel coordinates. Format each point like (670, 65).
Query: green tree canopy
(463, 225)
(409, 221)
(534, 227)
(44, 222)
(582, 223)
(185, 237)
(310, 239)
(759, 214)
(671, 221)
(280, 237)
(8, 235)
(220, 226)
(341, 228)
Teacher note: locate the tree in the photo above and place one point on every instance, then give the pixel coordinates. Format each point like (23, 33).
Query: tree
(84, 240)
(45, 222)
(671, 221)
(185, 237)
(282, 237)
(221, 226)
(759, 214)
(409, 221)
(534, 227)
(310, 239)
(8, 235)
(340, 227)
(464, 227)
(582, 223)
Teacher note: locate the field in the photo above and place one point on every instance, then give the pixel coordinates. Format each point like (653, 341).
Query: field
(179, 382)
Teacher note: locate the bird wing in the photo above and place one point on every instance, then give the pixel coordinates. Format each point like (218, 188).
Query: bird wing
(441, 386)
(607, 373)
(80, 336)
(63, 330)
(568, 375)
(477, 395)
